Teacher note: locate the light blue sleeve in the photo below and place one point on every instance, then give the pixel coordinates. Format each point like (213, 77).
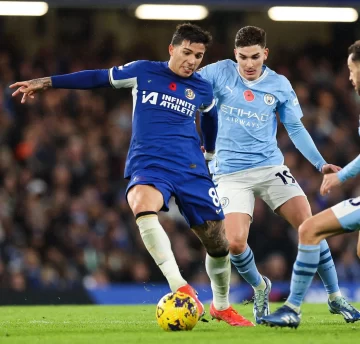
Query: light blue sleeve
(289, 108)
(304, 143)
(352, 169)
(210, 73)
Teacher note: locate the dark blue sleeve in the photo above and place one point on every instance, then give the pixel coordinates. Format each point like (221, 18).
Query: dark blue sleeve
(209, 128)
(83, 80)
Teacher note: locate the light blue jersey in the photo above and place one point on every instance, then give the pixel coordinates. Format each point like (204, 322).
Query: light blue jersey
(247, 116)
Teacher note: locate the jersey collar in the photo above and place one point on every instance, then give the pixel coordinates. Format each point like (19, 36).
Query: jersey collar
(264, 74)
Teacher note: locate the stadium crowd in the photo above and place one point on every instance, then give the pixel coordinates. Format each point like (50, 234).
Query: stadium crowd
(64, 219)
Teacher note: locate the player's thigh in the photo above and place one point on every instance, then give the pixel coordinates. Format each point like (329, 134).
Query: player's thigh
(319, 227)
(341, 218)
(198, 200)
(348, 214)
(236, 194)
(295, 210)
(148, 190)
(282, 193)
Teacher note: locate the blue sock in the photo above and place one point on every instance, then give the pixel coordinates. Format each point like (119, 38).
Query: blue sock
(305, 267)
(245, 265)
(327, 270)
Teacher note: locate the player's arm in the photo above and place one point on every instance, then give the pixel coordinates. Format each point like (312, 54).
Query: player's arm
(358, 246)
(304, 143)
(209, 129)
(334, 179)
(117, 77)
(82, 80)
(290, 115)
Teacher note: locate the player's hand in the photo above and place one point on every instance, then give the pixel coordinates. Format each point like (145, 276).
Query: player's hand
(330, 168)
(329, 181)
(30, 87)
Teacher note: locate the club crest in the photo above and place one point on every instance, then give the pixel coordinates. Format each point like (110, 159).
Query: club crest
(269, 99)
(189, 94)
(224, 202)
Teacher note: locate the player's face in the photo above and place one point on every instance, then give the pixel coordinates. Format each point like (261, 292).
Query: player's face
(250, 60)
(354, 68)
(186, 58)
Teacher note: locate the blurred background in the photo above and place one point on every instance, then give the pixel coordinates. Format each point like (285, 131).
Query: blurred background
(67, 234)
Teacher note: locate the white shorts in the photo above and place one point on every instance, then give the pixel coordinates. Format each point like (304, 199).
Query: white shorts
(348, 214)
(273, 184)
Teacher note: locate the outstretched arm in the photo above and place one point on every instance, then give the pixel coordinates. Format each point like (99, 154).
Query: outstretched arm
(305, 144)
(30, 87)
(352, 169)
(80, 80)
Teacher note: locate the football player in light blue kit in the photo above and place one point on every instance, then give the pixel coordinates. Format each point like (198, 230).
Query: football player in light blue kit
(248, 162)
(339, 219)
(165, 158)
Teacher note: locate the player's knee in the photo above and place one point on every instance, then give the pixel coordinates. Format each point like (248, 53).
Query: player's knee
(237, 245)
(212, 235)
(143, 198)
(307, 233)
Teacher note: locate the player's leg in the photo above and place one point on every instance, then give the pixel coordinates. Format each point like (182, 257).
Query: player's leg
(238, 200)
(296, 210)
(218, 268)
(145, 201)
(304, 269)
(285, 196)
(198, 202)
(358, 246)
(337, 220)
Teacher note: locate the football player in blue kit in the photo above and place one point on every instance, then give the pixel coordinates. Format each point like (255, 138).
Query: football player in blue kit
(165, 158)
(342, 218)
(248, 162)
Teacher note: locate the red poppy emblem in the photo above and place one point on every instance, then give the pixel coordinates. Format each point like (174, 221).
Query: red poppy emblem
(249, 96)
(172, 86)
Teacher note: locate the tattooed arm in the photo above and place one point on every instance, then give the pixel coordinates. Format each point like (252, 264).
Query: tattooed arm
(83, 80)
(30, 87)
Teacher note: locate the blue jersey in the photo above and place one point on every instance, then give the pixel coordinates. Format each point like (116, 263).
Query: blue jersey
(164, 108)
(247, 116)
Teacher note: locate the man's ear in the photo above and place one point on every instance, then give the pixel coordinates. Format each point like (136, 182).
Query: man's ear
(266, 53)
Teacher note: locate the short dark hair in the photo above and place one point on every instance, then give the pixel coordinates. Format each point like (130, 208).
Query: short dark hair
(192, 33)
(354, 49)
(250, 35)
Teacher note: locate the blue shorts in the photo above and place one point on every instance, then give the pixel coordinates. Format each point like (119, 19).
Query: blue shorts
(195, 194)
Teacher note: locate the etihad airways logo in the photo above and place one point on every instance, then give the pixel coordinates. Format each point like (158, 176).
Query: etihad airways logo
(230, 110)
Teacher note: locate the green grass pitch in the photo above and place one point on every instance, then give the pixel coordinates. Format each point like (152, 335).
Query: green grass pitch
(137, 325)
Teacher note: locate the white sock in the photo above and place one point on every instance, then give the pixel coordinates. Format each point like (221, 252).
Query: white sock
(261, 286)
(219, 271)
(333, 296)
(158, 245)
(293, 307)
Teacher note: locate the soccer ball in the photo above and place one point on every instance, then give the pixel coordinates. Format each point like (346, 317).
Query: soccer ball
(177, 312)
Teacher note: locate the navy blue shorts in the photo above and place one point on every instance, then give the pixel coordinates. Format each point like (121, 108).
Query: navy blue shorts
(195, 194)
